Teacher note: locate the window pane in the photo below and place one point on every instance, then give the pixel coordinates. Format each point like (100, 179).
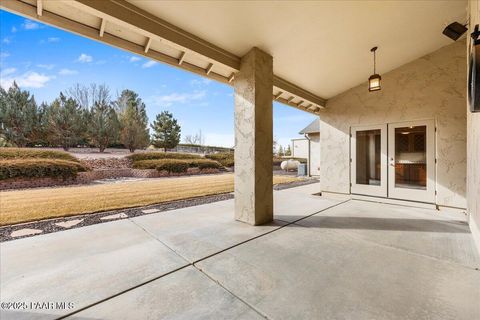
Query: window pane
(411, 157)
(368, 151)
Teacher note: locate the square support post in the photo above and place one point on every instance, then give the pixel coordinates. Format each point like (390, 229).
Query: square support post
(254, 138)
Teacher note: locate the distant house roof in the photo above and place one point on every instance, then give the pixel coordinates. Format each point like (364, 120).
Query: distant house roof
(313, 127)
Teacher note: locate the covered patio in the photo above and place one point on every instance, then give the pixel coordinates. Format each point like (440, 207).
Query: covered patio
(319, 259)
(289, 254)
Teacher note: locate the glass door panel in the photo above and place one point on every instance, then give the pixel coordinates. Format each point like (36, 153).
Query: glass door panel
(411, 157)
(368, 157)
(369, 160)
(412, 161)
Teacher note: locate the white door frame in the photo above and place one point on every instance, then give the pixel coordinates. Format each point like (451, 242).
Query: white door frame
(372, 190)
(427, 195)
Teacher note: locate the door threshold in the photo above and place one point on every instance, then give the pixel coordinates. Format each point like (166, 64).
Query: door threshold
(406, 203)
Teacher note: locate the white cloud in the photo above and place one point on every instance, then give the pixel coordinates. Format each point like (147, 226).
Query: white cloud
(7, 71)
(180, 98)
(134, 59)
(53, 39)
(200, 82)
(14, 29)
(30, 25)
(83, 58)
(46, 66)
(4, 55)
(26, 80)
(149, 64)
(6, 40)
(67, 72)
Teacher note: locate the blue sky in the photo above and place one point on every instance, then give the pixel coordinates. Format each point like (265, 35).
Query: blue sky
(46, 60)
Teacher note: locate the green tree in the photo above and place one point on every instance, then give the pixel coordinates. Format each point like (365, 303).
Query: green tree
(18, 116)
(288, 151)
(166, 131)
(281, 153)
(66, 122)
(103, 125)
(132, 114)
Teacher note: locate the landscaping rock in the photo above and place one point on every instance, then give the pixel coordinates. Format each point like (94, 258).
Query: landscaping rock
(25, 232)
(150, 210)
(69, 224)
(120, 215)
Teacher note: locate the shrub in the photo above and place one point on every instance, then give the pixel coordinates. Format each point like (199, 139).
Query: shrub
(173, 165)
(37, 168)
(21, 153)
(161, 155)
(225, 158)
(204, 164)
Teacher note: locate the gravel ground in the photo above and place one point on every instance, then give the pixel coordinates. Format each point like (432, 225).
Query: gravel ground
(50, 225)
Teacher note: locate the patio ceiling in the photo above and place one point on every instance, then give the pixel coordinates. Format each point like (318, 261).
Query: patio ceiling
(320, 49)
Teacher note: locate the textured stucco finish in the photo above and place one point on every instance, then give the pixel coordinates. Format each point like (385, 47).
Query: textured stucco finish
(473, 149)
(254, 138)
(300, 148)
(314, 153)
(432, 87)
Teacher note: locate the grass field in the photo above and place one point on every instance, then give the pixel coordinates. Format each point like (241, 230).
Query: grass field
(36, 204)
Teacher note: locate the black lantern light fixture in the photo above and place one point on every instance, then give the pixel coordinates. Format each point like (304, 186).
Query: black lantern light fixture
(374, 80)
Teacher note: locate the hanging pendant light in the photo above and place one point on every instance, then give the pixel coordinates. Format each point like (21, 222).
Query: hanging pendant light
(374, 80)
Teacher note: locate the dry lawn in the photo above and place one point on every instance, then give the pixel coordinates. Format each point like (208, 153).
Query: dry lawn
(36, 204)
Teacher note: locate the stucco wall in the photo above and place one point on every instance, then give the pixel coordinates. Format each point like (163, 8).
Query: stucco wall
(315, 154)
(432, 87)
(300, 148)
(473, 149)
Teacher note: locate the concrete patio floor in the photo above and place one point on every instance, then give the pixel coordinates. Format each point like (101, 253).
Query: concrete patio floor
(320, 259)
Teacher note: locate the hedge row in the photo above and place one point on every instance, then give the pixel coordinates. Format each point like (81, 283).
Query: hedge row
(161, 155)
(22, 153)
(225, 158)
(176, 165)
(39, 168)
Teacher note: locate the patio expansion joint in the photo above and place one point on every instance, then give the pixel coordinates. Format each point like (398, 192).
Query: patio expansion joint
(160, 241)
(188, 264)
(217, 282)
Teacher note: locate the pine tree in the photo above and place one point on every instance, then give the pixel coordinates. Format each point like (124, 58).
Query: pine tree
(281, 153)
(103, 125)
(288, 151)
(166, 131)
(66, 122)
(18, 116)
(134, 133)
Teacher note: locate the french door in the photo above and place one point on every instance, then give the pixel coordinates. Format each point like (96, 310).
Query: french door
(395, 160)
(369, 160)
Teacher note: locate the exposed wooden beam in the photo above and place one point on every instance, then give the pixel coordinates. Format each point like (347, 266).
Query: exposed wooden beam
(30, 11)
(299, 104)
(102, 27)
(181, 58)
(299, 92)
(148, 44)
(125, 13)
(290, 99)
(275, 97)
(209, 68)
(39, 7)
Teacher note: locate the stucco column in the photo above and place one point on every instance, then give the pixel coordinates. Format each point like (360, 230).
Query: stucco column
(254, 138)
